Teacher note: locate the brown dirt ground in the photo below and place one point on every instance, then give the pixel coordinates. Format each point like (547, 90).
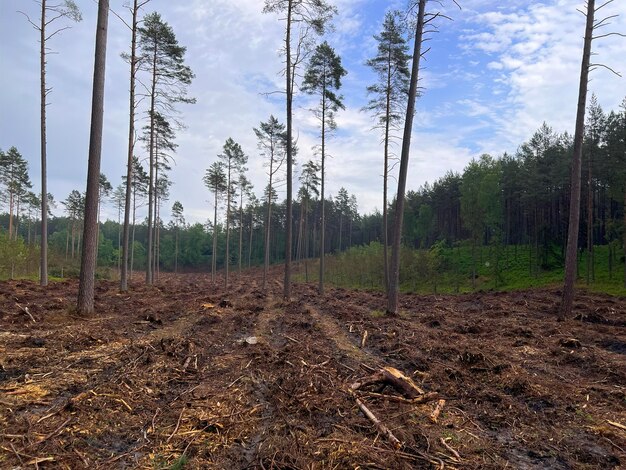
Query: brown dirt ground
(165, 371)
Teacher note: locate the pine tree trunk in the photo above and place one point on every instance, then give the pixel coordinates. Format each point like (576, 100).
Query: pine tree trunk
(131, 146)
(132, 241)
(227, 257)
(394, 271)
(624, 241)
(176, 253)
(589, 221)
(386, 179)
(213, 257)
(43, 268)
(289, 90)
(151, 188)
(323, 215)
(571, 259)
(250, 242)
(240, 230)
(85, 304)
(268, 224)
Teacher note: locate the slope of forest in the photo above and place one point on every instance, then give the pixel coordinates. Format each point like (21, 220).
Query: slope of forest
(188, 374)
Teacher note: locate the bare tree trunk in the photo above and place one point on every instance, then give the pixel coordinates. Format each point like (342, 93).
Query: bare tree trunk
(11, 204)
(176, 253)
(85, 304)
(132, 241)
(571, 259)
(227, 257)
(323, 215)
(288, 77)
(240, 230)
(213, 253)
(386, 180)
(394, 271)
(131, 147)
(151, 188)
(624, 241)
(589, 221)
(43, 276)
(299, 235)
(250, 244)
(268, 224)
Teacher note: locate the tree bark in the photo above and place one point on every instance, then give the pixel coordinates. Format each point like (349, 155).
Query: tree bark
(213, 253)
(571, 259)
(394, 271)
(589, 220)
(268, 224)
(131, 147)
(288, 77)
(43, 268)
(151, 189)
(323, 208)
(386, 179)
(86, 286)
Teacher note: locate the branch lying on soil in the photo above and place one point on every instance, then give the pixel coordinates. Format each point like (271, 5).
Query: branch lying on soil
(26, 311)
(394, 377)
(380, 426)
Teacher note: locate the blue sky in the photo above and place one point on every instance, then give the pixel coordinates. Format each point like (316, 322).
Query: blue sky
(493, 75)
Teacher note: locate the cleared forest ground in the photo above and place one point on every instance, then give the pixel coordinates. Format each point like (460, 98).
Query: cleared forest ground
(238, 378)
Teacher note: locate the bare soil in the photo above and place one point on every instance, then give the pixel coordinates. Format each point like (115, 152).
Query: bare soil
(238, 378)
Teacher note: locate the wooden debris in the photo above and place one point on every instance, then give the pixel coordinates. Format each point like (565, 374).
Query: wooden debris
(437, 411)
(384, 430)
(180, 417)
(363, 339)
(617, 425)
(26, 311)
(412, 401)
(39, 460)
(570, 343)
(396, 379)
(450, 448)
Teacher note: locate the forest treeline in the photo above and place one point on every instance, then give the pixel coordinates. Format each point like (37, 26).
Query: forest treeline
(519, 199)
(532, 198)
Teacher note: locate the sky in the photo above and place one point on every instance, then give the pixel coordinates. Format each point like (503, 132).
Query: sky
(494, 73)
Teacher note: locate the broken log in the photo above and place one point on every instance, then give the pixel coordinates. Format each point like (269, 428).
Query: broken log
(393, 377)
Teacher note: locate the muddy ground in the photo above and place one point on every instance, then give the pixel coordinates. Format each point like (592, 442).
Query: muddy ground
(188, 372)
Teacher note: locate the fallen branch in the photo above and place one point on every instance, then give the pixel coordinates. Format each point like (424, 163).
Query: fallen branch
(447, 446)
(410, 401)
(394, 377)
(180, 416)
(437, 411)
(380, 426)
(617, 425)
(26, 311)
(363, 339)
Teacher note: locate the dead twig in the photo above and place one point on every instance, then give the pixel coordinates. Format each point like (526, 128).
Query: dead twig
(26, 311)
(617, 425)
(380, 426)
(180, 417)
(447, 446)
(48, 436)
